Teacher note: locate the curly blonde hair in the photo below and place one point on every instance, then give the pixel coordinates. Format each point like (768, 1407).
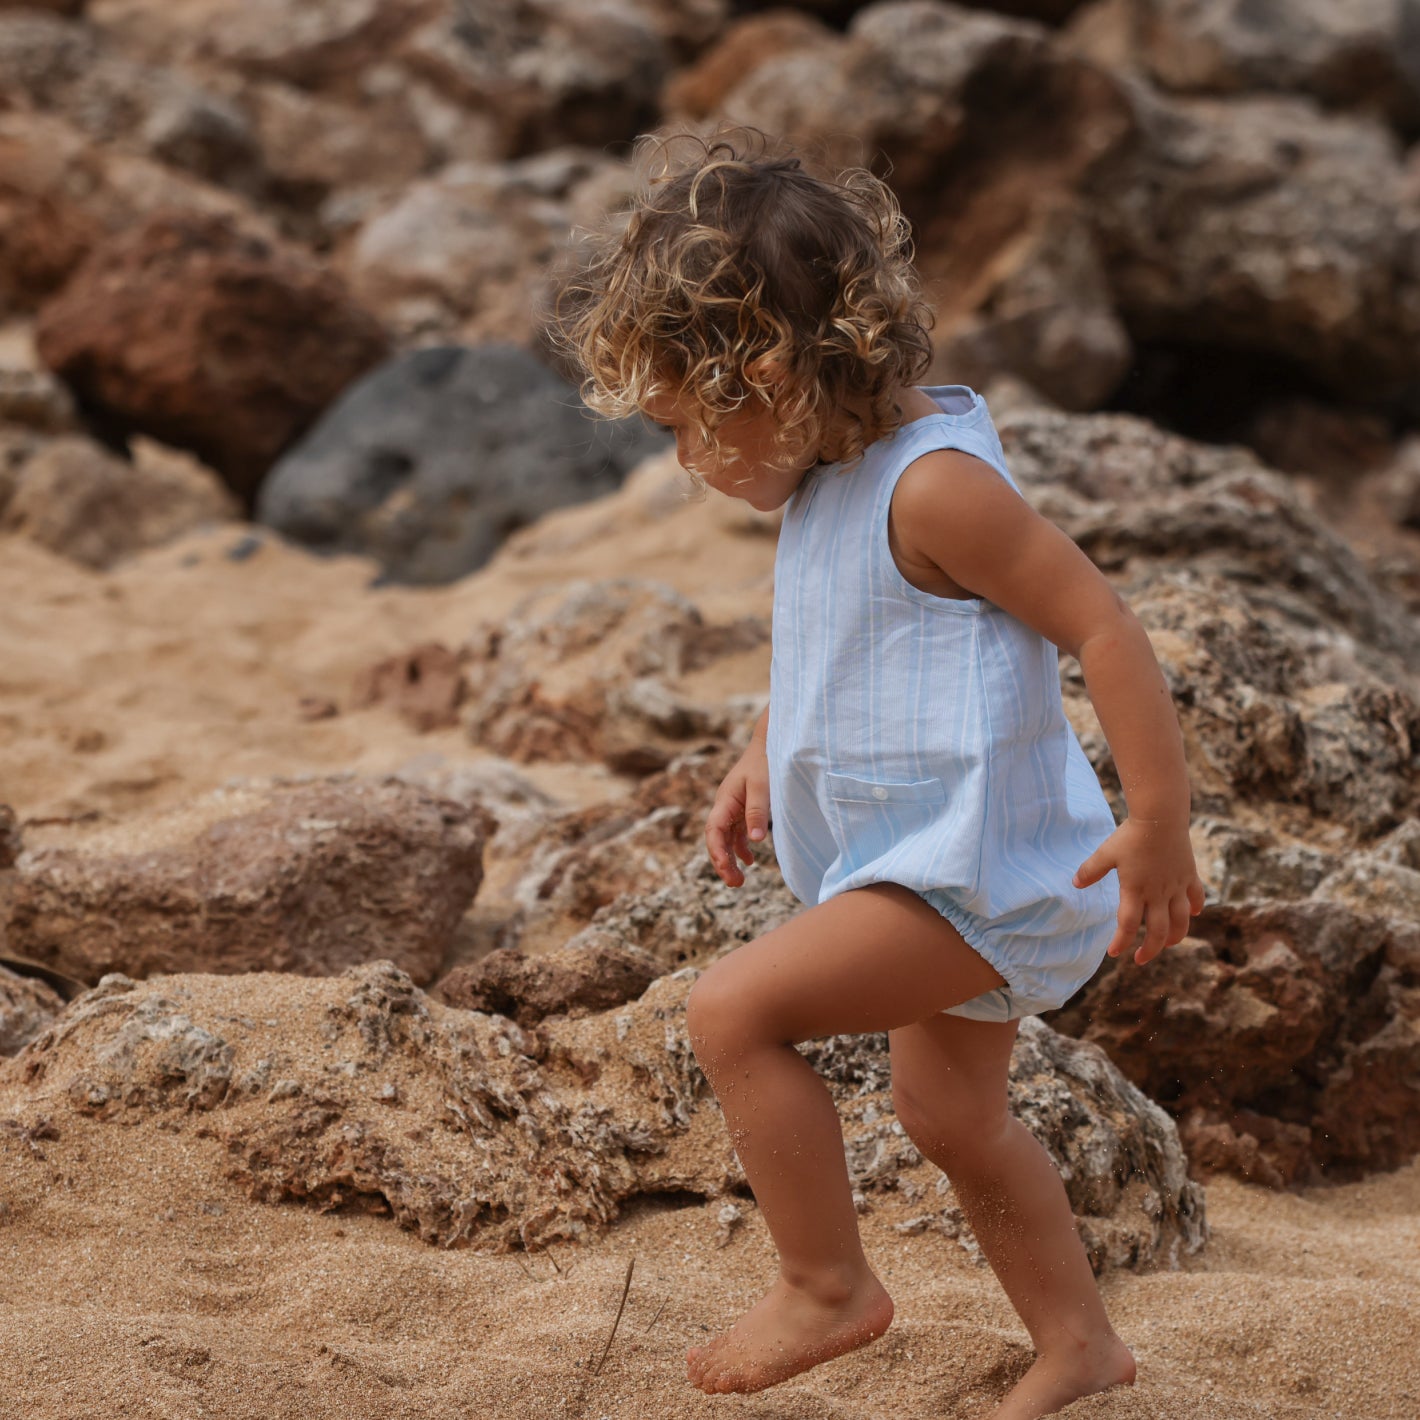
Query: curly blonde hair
(741, 278)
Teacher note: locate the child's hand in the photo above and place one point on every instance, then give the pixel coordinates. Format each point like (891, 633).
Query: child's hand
(741, 813)
(1159, 884)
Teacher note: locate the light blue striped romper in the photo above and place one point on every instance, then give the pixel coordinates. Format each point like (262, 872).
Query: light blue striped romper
(921, 740)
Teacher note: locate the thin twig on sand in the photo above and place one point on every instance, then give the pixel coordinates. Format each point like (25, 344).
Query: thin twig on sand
(625, 1288)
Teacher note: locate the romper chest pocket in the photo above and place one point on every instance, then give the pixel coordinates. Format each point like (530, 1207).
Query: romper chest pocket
(846, 787)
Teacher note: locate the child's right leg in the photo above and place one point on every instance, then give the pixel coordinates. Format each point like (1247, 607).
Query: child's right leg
(949, 1092)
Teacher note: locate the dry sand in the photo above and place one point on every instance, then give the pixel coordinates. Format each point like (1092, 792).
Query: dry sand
(135, 1281)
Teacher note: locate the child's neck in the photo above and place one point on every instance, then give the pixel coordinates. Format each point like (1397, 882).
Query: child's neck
(911, 402)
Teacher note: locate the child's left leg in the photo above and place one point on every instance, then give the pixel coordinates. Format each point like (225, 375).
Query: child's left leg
(870, 960)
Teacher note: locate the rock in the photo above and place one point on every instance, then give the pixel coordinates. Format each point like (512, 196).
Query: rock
(1047, 318)
(568, 981)
(36, 400)
(1354, 56)
(1136, 497)
(552, 72)
(9, 837)
(316, 150)
(61, 194)
(75, 499)
(71, 70)
(27, 1006)
(305, 877)
(1264, 226)
(1285, 1036)
(58, 7)
(429, 463)
(425, 686)
(694, 918)
(587, 675)
(473, 254)
(208, 338)
(698, 90)
(468, 1128)
(1404, 485)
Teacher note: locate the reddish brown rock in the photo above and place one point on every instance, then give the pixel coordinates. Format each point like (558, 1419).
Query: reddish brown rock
(295, 877)
(61, 194)
(424, 686)
(1284, 1036)
(565, 981)
(361, 1093)
(207, 338)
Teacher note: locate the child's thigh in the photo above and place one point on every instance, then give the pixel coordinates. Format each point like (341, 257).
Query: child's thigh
(872, 959)
(949, 1077)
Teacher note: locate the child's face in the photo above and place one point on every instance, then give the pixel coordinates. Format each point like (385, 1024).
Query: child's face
(758, 473)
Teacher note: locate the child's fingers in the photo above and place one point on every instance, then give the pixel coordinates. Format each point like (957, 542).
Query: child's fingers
(1093, 868)
(1179, 916)
(719, 829)
(1156, 928)
(757, 808)
(1131, 914)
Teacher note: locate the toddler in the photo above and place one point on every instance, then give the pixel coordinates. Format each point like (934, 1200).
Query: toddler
(932, 808)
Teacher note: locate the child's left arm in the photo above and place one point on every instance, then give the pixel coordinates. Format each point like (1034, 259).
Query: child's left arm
(967, 520)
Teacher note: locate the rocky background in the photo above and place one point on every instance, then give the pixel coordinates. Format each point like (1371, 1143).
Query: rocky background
(351, 795)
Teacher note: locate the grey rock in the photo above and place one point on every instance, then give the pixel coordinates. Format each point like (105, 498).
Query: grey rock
(428, 463)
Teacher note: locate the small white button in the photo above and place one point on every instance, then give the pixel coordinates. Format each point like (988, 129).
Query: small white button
(879, 792)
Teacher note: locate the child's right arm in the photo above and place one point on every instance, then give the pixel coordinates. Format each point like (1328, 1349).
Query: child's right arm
(741, 810)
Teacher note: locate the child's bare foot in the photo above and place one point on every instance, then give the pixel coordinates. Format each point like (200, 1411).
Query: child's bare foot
(1058, 1378)
(787, 1331)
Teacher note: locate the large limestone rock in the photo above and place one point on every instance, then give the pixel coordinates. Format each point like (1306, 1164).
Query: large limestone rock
(208, 338)
(73, 71)
(1264, 225)
(291, 877)
(363, 1093)
(428, 463)
(1283, 1031)
(473, 253)
(1361, 54)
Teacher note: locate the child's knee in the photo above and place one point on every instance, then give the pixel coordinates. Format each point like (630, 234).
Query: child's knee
(709, 1014)
(950, 1124)
(724, 1014)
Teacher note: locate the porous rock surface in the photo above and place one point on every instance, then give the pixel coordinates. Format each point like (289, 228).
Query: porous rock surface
(585, 670)
(1284, 1032)
(302, 877)
(207, 337)
(467, 1128)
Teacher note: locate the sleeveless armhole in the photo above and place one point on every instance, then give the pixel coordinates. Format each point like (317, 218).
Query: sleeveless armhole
(936, 432)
